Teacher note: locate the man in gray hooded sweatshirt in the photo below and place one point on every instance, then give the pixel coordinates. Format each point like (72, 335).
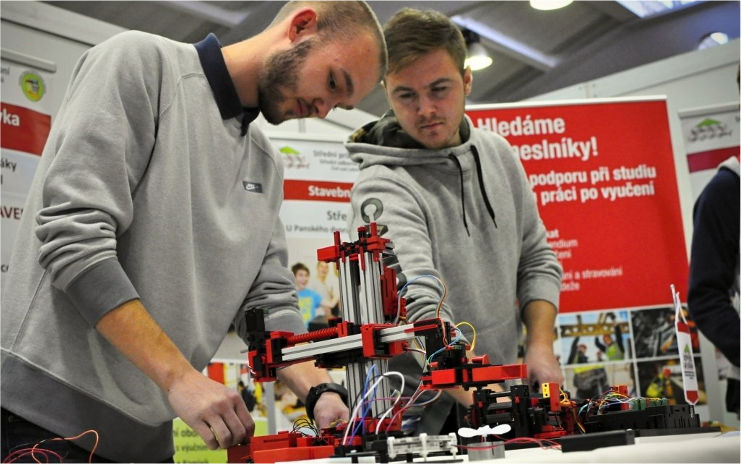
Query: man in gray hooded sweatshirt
(455, 202)
(152, 226)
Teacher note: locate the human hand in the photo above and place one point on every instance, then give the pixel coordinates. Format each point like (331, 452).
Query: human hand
(216, 413)
(542, 365)
(330, 409)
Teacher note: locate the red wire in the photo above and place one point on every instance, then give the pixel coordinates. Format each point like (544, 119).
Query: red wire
(46, 453)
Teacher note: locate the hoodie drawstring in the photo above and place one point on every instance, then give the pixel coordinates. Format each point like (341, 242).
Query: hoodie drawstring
(463, 196)
(481, 186)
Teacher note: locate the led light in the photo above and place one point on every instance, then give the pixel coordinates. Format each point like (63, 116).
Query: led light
(477, 58)
(549, 4)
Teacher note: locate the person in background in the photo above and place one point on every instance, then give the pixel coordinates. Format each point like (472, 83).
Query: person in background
(612, 347)
(152, 226)
(247, 396)
(456, 204)
(713, 298)
(309, 301)
(325, 283)
(578, 352)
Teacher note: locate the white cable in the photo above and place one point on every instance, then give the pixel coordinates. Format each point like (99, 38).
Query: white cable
(365, 396)
(401, 390)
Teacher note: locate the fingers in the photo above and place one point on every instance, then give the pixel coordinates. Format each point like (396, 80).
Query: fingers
(245, 418)
(231, 428)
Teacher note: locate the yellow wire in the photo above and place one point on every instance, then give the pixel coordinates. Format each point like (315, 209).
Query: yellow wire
(473, 343)
(440, 304)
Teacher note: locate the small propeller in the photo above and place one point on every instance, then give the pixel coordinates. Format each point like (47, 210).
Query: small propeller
(467, 432)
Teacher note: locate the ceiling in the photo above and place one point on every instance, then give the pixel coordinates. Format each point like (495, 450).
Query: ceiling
(534, 51)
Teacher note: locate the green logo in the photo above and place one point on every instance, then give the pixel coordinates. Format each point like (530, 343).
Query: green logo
(32, 85)
(289, 151)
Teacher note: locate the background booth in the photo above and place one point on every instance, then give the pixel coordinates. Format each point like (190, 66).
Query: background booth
(643, 120)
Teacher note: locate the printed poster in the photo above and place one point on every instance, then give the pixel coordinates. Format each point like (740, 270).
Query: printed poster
(605, 183)
(26, 121)
(318, 178)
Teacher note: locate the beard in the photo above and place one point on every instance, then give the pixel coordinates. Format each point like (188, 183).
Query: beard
(280, 73)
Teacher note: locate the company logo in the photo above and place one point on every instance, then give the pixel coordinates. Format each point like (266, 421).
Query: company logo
(32, 86)
(253, 187)
(709, 129)
(293, 159)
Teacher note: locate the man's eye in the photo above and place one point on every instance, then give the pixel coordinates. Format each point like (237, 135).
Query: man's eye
(332, 83)
(439, 89)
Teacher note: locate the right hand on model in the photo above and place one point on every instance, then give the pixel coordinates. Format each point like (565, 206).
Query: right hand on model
(216, 413)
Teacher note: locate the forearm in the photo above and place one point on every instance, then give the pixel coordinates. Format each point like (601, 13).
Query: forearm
(133, 331)
(302, 376)
(539, 317)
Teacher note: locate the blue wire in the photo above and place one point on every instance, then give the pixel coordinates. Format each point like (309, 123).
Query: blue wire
(368, 407)
(456, 339)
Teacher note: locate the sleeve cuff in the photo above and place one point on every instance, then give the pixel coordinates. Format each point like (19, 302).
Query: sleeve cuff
(286, 320)
(101, 288)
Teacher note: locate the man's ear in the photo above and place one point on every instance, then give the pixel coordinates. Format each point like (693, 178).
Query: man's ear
(467, 80)
(303, 23)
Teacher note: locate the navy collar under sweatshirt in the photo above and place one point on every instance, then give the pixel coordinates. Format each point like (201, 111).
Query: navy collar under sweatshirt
(225, 94)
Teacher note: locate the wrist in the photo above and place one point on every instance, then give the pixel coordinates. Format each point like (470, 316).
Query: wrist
(317, 391)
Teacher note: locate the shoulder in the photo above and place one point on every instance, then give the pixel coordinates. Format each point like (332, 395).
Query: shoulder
(135, 43)
(723, 186)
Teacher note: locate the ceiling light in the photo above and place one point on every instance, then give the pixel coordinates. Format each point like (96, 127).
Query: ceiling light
(712, 39)
(549, 4)
(477, 58)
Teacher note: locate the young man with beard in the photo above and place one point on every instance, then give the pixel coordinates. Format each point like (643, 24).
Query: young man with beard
(455, 202)
(152, 226)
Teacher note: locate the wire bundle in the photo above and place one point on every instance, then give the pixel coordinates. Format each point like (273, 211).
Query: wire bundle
(36, 452)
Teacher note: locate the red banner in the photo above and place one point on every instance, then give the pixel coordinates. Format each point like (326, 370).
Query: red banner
(316, 190)
(604, 178)
(24, 129)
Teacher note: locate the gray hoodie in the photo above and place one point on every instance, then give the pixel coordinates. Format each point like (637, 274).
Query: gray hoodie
(147, 188)
(465, 214)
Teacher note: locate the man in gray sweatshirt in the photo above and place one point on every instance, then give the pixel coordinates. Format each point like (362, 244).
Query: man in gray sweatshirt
(152, 226)
(455, 202)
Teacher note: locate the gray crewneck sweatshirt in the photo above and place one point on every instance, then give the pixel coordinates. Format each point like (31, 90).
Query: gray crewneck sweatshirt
(146, 189)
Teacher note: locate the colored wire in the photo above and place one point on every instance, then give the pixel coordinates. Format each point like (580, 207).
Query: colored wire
(363, 401)
(456, 339)
(46, 453)
(390, 408)
(401, 291)
(473, 342)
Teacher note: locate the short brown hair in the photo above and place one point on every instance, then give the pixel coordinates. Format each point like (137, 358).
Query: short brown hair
(342, 20)
(299, 267)
(410, 34)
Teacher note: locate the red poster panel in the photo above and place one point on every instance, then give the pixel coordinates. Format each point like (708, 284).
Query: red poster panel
(604, 178)
(24, 129)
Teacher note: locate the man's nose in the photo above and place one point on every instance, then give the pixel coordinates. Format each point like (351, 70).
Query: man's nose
(425, 106)
(323, 106)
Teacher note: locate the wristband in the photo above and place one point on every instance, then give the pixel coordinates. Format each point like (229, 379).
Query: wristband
(316, 391)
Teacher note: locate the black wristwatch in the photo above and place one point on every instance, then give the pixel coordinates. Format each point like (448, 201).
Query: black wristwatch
(316, 391)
